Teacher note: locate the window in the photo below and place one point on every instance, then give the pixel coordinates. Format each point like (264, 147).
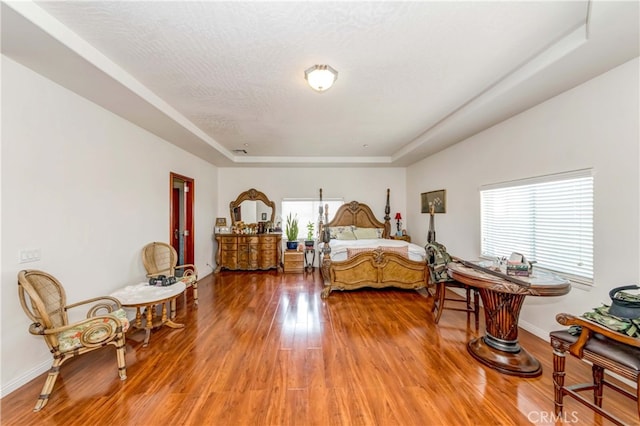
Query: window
(547, 219)
(307, 211)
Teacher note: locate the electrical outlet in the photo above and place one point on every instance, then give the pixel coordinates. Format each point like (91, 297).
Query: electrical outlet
(29, 255)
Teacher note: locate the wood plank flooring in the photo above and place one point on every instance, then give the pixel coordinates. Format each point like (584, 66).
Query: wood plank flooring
(265, 349)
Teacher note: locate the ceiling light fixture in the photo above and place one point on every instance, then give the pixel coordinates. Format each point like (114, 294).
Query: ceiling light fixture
(320, 77)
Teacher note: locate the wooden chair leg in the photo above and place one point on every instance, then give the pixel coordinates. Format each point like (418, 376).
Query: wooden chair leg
(598, 374)
(638, 396)
(559, 360)
(438, 303)
(195, 293)
(48, 385)
(120, 354)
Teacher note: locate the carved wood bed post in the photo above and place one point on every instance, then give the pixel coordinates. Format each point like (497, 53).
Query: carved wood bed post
(323, 237)
(387, 218)
(320, 219)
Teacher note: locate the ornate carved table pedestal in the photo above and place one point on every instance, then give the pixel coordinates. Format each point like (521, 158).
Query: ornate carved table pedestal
(147, 296)
(502, 301)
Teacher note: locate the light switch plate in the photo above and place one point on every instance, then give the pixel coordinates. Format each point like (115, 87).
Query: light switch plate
(29, 255)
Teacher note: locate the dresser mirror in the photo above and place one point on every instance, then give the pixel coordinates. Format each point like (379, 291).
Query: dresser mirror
(252, 206)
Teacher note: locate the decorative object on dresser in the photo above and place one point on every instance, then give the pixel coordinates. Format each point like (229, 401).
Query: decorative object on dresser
(221, 225)
(44, 301)
(250, 245)
(357, 252)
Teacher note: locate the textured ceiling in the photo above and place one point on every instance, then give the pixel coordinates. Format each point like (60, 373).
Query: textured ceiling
(414, 77)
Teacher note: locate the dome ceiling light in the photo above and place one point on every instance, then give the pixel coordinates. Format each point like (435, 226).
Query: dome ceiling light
(320, 77)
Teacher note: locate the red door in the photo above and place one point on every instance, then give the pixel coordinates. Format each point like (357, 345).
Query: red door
(181, 217)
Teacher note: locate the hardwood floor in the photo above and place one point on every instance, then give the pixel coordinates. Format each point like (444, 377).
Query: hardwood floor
(265, 349)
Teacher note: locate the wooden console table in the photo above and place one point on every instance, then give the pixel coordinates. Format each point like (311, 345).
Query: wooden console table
(502, 301)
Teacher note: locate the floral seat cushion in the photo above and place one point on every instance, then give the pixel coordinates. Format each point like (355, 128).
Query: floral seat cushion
(188, 279)
(91, 331)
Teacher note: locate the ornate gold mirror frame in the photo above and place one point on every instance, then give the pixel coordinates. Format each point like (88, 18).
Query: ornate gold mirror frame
(250, 195)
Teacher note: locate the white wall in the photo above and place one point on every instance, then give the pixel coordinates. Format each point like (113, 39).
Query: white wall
(366, 185)
(595, 125)
(88, 189)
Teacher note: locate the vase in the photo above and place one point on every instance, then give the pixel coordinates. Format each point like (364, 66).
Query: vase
(292, 245)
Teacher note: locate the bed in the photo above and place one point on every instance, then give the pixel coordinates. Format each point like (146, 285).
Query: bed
(370, 259)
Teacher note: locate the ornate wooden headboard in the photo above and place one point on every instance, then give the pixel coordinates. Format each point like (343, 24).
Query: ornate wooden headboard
(360, 215)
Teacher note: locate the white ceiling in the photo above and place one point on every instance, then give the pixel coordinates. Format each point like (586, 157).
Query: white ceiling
(414, 77)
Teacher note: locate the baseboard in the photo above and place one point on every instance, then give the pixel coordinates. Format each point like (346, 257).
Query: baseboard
(25, 378)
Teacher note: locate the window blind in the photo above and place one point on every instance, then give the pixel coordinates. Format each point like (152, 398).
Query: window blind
(548, 219)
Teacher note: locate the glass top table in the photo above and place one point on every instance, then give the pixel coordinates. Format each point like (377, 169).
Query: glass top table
(148, 297)
(502, 300)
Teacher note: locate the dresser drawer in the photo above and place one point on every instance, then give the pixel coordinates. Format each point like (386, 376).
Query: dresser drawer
(228, 241)
(228, 247)
(269, 240)
(246, 239)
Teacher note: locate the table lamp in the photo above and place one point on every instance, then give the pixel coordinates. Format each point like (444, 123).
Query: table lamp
(398, 218)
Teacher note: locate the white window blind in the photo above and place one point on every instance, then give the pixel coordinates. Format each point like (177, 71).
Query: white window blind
(548, 219)
(307, 211)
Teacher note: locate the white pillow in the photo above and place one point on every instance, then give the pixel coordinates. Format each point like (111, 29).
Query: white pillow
(345, 234)
(366, 233)
(334, 230)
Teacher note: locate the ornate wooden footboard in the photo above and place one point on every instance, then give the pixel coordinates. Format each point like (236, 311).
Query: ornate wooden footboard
(377, 268)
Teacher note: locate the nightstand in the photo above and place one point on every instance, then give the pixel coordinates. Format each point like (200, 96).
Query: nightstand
(401, 237)
(293, 261)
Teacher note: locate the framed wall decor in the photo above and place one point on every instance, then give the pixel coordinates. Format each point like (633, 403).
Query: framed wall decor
(264, 216)
(437, 199)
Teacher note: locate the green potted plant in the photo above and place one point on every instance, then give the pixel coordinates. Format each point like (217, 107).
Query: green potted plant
(291, 230)
(309, 241)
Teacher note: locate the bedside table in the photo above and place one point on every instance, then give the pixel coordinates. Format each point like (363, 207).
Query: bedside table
(293, 261)
(401, 237)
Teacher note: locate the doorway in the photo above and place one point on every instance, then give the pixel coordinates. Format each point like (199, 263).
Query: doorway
(181, 196)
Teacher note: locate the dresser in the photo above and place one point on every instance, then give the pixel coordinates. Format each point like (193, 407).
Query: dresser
(249, 252)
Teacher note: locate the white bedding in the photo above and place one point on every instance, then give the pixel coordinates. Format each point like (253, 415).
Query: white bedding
(339, 248)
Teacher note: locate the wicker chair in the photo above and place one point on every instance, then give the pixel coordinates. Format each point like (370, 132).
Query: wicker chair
(605, 349)
(44, 301)
(162, 259)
